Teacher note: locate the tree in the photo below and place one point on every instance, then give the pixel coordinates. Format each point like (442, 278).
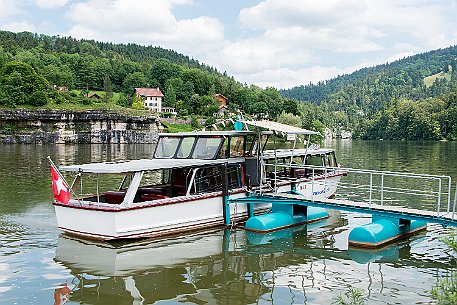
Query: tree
(170, 96)
(290, 106)
(87, 73)
(58, 76)
(19, 82)
(133, 80)
(107, 88)
(162, 70)
(289, 119)
(195, 104)
(209, 106)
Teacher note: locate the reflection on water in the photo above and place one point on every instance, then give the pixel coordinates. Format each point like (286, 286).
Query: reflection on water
(303, 265)
(233, 267)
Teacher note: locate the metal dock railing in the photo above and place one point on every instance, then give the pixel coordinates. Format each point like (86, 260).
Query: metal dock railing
(384, 191)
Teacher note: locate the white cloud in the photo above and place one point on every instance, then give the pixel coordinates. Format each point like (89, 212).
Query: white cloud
(146, 22)
(49, 4)
(287, 78)
(8, 9)
(18, 26)
(298, 37)
(399, 56)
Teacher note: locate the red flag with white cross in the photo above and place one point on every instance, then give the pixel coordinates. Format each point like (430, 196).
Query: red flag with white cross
(59, 187)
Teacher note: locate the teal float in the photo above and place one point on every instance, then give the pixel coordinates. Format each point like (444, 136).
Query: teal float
(383, 231)
(285, 216)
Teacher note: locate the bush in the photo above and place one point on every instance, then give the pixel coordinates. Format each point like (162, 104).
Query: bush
(84, 100)
(445, 289)
(38, 98)
(210, 121)
(123, 100)
(194, 123)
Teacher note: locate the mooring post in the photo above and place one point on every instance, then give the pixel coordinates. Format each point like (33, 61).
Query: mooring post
(225, 201)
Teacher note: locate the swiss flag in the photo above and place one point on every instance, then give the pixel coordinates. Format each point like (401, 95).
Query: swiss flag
(59, 187)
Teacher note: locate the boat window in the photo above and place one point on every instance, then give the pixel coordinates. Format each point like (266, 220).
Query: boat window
(251, 141)
(297, 160)
(166, 176)
(315, 160)
(209, 179)
(223, 151)
(166, 147)
(206, 148)
(331, 160)
(185, 148)
(237, 146)
(235, 176)
(151, 178)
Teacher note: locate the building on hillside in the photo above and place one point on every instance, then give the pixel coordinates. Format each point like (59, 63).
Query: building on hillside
(222, 103)
(93, 96)
(170, 110)
(152, 98)
(60, 88)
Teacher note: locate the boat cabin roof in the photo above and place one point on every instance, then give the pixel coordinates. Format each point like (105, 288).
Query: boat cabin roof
(279, 127)
(143, 165)
(215, 133)
(281, 153)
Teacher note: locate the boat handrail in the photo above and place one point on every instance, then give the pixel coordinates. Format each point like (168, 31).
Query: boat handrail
(378, 183)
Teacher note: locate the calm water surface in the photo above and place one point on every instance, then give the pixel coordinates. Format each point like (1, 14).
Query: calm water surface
(306, 265)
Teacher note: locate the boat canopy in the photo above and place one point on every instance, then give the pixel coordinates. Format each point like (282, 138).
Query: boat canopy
(279, 127)
(212, 133)
(283, 153)
(144, 165)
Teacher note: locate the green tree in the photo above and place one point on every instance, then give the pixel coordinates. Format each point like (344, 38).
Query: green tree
(209, 106)
(19, 82)
(107, 88)
(170, 96)
(290, 106)
(195, 104)
(289, 119)
(132, 81)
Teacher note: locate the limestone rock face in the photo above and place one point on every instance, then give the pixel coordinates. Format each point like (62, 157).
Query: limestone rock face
(61, 126)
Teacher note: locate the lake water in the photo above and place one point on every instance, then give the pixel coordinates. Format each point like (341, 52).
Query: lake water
(305, 265)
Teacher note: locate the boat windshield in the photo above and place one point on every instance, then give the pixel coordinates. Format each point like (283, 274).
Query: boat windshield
(206, 148)
(166, 147)
(185, 148)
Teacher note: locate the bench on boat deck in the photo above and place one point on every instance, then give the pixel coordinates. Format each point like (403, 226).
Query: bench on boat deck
(114, 197)
(151, 197)
(152, 190)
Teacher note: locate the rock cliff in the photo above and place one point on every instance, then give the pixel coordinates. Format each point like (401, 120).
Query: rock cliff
(61, 126)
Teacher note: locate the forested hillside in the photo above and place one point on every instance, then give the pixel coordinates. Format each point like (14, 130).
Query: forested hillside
(414, 98)
(410, 98)
(31, 65)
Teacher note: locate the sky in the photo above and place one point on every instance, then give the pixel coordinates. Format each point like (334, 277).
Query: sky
(279, 43)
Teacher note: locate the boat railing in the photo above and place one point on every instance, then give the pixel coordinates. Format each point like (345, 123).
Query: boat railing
(400, 189)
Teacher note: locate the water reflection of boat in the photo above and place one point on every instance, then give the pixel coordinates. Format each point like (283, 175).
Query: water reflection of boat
(198, 268)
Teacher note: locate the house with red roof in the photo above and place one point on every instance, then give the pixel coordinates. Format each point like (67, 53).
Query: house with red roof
(152, 98)
(222, 100)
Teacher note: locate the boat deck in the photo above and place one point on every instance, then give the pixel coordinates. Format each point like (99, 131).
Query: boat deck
(363, 207)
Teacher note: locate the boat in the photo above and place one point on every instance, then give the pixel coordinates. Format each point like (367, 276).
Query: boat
(186, 184)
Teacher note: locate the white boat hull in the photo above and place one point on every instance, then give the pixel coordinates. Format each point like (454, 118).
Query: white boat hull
(168, 216)
(163, 218)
